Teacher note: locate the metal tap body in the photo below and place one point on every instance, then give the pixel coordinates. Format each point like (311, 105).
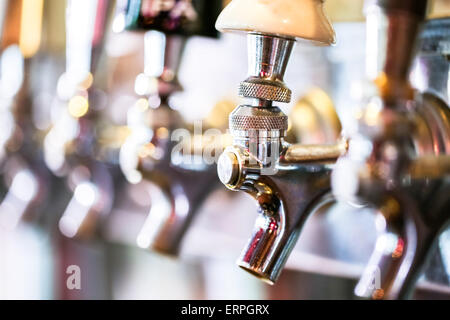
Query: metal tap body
(176, 199)
(400, 133)
(166, 225)
(21, 165)
(89, 178)
(287, 181)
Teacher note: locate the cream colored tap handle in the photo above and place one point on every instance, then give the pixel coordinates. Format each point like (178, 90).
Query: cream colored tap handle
(304, 19)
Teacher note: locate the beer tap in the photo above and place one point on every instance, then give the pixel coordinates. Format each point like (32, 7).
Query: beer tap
(21, 168)
(397, 162)
(155, 151)
(288, 181)
(70, 147)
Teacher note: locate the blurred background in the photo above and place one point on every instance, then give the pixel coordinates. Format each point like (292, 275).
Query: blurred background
(75, 190)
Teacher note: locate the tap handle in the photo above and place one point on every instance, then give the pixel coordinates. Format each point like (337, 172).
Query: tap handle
(181, 17)
(392, 32)
(162, 59)
(85, 33)
(305, 19)
(416, 7)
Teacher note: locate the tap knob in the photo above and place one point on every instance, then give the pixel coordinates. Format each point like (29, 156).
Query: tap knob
(85, 33)
(392, 28)
(177, 17)
(304, 19)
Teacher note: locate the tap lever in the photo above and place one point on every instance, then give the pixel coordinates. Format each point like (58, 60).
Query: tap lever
(392, 28)
(307, 153)
(416, 7)
(163, 54)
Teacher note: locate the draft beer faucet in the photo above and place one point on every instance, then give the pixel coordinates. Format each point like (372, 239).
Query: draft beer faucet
(71, 148)
(288, 181)
(21, 168)
(397, 160)
(176, 181)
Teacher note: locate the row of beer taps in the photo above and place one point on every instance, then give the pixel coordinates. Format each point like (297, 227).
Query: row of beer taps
(395, 162)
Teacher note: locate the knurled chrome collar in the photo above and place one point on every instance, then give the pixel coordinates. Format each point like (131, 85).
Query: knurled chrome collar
(267, 90)
(246, 118)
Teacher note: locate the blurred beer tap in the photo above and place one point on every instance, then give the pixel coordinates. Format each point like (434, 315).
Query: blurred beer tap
(21, 169)
(71, 146)
(288, 181)
(398, 159)
(162, 149)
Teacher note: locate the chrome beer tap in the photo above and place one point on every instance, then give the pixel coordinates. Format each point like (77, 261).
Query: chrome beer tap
(83, 186)
(288, 181)
(20, 163)
(70, 147)
(397, 161)
(150, 154)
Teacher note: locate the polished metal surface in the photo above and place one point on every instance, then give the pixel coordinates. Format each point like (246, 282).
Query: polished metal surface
(174, 199)
(175, 202)
(392, 32)
(285, 201)
(288, 182)
(162, 60)
(262, 90)
(228, 168)
(418, 8)
(151, 155)
(399, 132)
(267, 60)
(431, 67)
(246, 118)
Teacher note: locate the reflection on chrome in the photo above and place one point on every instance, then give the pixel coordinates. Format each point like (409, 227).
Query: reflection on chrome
(77, 211)
(21, 193)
